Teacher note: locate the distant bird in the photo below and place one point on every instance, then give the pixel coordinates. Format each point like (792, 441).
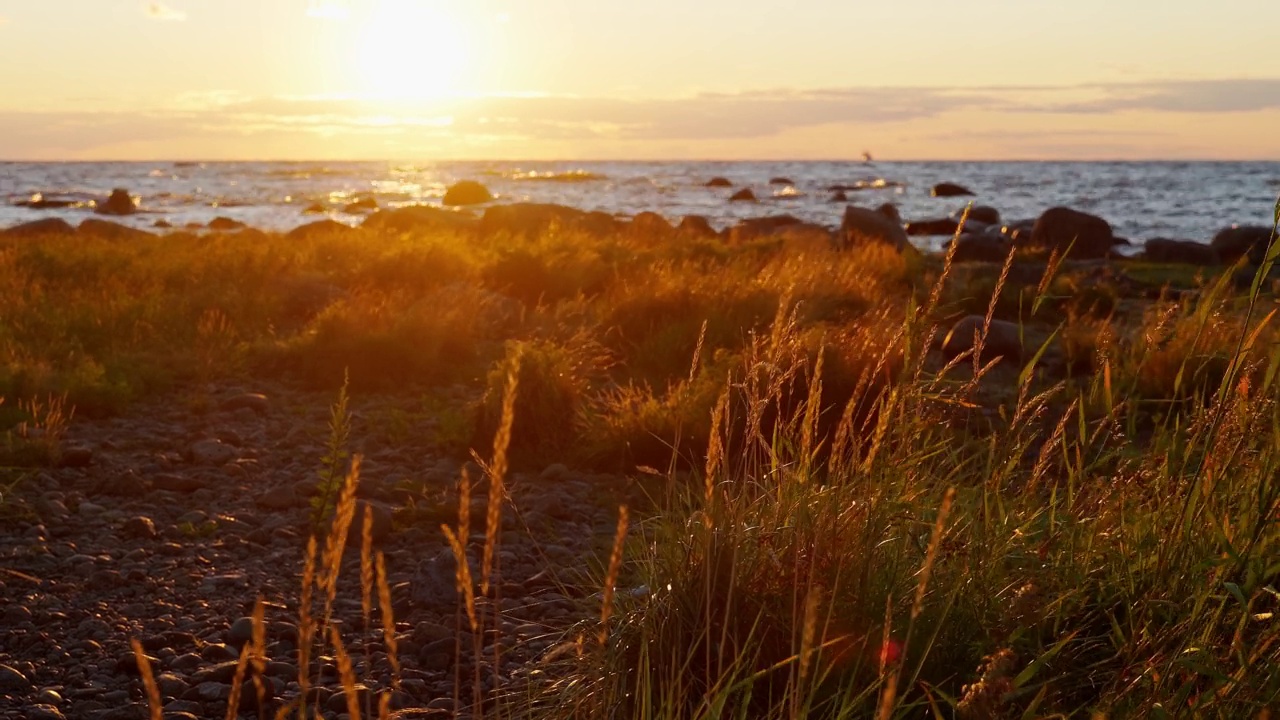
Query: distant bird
(866, 156)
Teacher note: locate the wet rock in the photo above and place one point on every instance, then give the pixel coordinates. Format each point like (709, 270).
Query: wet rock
(938, 226)
(839, 196)
(162, 225)
(226, 223)
(467, 192)
(781, 181)
(1059, 228)
(119, 203)
(44, 712)
(743, 195)
(861, 226)
(1163, 250)
(981, 213)
(979, 248)
(760, 227)
(38, 228)
(947, 189)
(256, 402)
(1003, 339)
(1241, 240)
(717, 182)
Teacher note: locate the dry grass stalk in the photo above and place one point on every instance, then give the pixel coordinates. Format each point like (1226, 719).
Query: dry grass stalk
(336, 541)
(715, 444)
(148, 680)
(366, 567)
(388, 619)
(497, 475)
(306, 625)
(611, 579)
(346, 673)
(247, 662)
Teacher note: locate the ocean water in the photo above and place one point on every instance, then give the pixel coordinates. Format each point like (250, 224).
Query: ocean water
(1142, 200)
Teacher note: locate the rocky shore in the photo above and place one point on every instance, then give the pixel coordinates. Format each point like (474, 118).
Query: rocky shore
(166, 524)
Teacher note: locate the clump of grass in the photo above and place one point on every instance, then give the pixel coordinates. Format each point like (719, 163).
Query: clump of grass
(34, 434)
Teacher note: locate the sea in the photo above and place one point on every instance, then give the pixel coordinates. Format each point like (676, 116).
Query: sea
(1141, 200)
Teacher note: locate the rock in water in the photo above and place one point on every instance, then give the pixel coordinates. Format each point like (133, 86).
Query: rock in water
(947, 189)
(1239, 240)
(938, 226)
(1163, 250)
(467, 192)
(861, 226)
(226, 223)
(971, 247)
(119, 203)
(743, 195)
(1058, 228)
(719, 182)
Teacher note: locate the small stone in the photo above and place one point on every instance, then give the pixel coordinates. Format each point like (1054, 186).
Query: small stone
(77, 456)
(211, 452)
(278, 498)
(256, 402)
(176, 483)
(223, 672)
(88, 508)
(554, 471)
(44, 712)
(140, 527)
(240, 632)
(11, 679)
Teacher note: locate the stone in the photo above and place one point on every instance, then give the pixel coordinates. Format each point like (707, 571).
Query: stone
(176, 483)
(314, 209)
(39, 228)
(861, 226)
(531, 219)
(320, 228)
(256, 402)
(467, 192)
(211, 451)
(380, 528)
(759, 227)
(44, 712)
(938, 226)
(971, 247)
(140, 527)
(981, 213)
(650, 225)
(839, 196)
(278, 498)
(76, 456)
(743, 195)
(947, 189)
(716, 182)
(226, 223)
(781, 181)
(162, 225)
(1003, 339)
(1059, 228)
(1164, 250)
(417, 218)
(13, 681)
(119, 203)
(240, 632)
(1239, 241)
(696, 226)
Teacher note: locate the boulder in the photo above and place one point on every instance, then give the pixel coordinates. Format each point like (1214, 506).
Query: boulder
(719, 182)
(981, 213)
(40, 201)
(36, 228)
(361, 206)
(696, 226)
(113, 231)
(781, 181)
(1164, 250)
(861, 225)
(1003, 339)
(839, 196)
(743, 195)
(417, 218)
(651, 225)
(947, 189)
(225, 223)
(119, 203)
(974, 247)
(467, 192)
(759, 227)
(1058, 228)
(535, 218)
(890, 211)
(162, 225)
(937, 226)
(1242, 240)
(319, 228)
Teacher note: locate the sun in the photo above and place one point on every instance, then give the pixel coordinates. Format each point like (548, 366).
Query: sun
(411, 50)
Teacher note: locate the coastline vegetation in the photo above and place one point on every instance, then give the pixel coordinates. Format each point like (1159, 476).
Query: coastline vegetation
(849, 523)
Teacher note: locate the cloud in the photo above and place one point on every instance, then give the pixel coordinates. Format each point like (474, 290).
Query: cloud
(160, 11)
(1188, 96)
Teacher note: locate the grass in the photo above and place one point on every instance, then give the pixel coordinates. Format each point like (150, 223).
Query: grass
(851, 526)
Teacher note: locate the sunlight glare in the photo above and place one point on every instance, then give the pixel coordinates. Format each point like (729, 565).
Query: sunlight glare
(411, 50)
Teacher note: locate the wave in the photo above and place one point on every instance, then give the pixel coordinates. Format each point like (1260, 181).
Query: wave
(569, 176)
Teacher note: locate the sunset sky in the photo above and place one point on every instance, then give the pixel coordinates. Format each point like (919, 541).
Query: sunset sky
(582, 79)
